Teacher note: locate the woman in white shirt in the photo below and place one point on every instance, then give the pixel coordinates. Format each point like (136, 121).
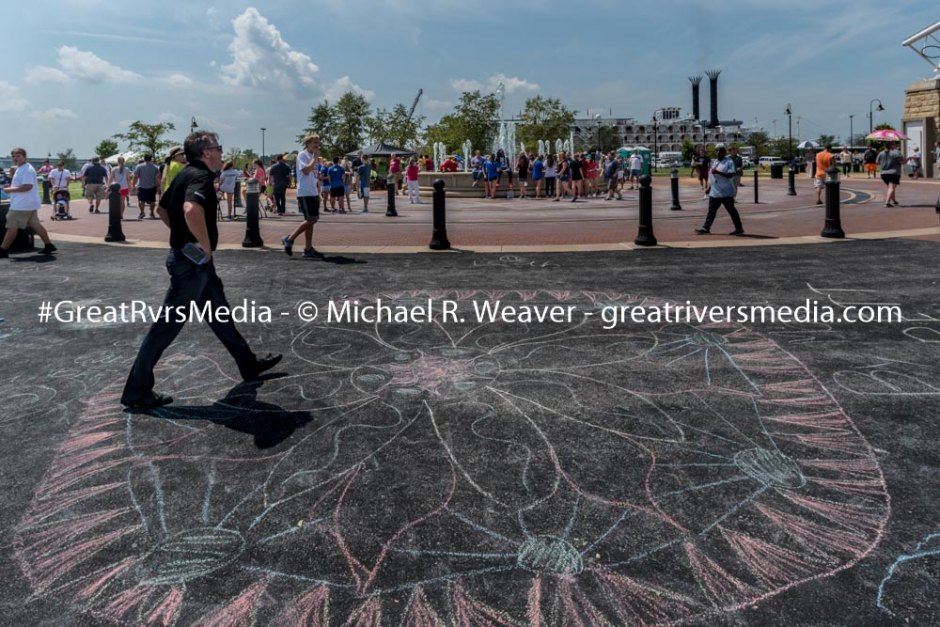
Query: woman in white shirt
(227, 186)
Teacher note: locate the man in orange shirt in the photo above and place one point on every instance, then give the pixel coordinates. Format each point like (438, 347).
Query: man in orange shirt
(824, 161)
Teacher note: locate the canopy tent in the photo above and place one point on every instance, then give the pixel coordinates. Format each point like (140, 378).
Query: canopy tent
(130, 157)
(381, 150)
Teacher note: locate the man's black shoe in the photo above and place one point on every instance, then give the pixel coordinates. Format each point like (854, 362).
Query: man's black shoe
(737, 232)
(4, 253)
(151, 401)
(702, 231)
(48, 249)
(262, 365)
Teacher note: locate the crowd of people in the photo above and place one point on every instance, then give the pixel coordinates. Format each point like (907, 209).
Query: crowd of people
(333, 184)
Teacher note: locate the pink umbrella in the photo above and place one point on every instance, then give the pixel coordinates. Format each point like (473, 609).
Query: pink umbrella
(886, 135)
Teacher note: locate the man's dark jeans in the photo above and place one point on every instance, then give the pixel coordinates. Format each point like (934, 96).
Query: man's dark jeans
(728, 202)
(280, 199)
(188, 283)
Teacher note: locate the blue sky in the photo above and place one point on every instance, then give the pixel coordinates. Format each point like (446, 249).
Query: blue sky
(79, 71)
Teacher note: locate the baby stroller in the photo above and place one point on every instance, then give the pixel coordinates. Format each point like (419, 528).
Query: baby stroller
(60, 205)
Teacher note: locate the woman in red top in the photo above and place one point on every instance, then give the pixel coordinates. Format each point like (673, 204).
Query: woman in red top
(394, 168)
(590, 174)
(411, 175)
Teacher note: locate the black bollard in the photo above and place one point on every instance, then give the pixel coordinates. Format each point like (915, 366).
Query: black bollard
(252, 227)
(644, 235)
(46, 187)
(674, 182)
(115, 232)
(238, 195)
(756, 188)
(390, 188)
(833, 226)
(439, 239)
(791, 181)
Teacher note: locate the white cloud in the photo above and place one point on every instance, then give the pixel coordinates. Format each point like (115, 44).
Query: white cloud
(261, 58)
(178, 80)
(335, 91)
(55, 113)
(12, 101)
(45, 74)
(88, 67)
(510, 83)
(463, 84)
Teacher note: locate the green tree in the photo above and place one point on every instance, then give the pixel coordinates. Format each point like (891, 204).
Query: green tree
(474, 119)
(761, 141)
(106, 148)
(545, 119)
(782, 147)
(824, 140)
(322, 121)
(376, 126)
(147, 137)
(246, 157)
(68, 158)
(233, 154)
(349, 116)
(688, 149)
(401, 130)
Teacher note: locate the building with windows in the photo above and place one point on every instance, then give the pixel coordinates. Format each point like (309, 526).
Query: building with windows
(667, 129)
(664, 132)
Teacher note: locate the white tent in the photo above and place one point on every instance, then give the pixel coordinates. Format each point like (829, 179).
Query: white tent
(130, 157)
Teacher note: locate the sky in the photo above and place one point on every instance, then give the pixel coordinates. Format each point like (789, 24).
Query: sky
(79, 71)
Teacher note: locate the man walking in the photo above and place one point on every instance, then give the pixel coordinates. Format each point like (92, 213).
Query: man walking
(94, 178)
(280, 181)
(364, 174)
(147, 180)
(189, 208)
(24, 205)
(308, 196)
(824, 161)
(610, 173)
(721, 192)
(845, 160)
(636, 169)
(738, 167)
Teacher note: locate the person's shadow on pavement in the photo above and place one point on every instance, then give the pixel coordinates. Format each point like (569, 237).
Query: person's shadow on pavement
(241, 411)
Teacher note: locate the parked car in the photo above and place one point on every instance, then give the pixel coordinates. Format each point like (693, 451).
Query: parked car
(766, 162)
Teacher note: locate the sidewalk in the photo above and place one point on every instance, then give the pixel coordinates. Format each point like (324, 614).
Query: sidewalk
(594, 224)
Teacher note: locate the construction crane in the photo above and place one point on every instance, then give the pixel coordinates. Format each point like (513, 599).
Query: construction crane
(414, 105)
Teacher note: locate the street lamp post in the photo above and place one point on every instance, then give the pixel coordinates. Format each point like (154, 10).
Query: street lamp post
(655, 144)
(262, 143)
(597, 121)
(193, 126)
(871, 114)
(789, 113)
(851, 130)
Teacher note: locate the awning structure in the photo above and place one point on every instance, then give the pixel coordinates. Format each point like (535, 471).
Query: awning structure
(381, 150)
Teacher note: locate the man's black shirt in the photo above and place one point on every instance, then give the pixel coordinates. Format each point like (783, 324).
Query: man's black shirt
(280, 174)
(96, 175)
(195, 183)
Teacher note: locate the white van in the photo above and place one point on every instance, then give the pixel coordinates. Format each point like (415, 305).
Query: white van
(766, 162)
(667, 159)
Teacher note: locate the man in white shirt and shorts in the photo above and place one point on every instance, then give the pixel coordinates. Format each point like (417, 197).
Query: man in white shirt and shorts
(24, 205)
